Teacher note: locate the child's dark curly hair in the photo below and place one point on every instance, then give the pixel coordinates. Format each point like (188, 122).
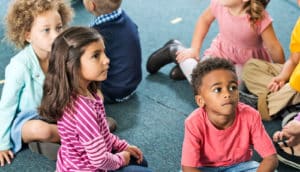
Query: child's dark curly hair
(205, 67)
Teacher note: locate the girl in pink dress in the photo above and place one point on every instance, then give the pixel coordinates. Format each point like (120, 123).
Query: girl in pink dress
(245, 31)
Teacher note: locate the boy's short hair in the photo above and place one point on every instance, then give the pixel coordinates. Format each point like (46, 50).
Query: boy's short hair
(21, 14)
(206, 66)
(107, 6)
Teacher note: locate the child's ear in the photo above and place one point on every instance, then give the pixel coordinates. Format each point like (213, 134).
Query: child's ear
(90, 5)
(199, 100)
(27, 37)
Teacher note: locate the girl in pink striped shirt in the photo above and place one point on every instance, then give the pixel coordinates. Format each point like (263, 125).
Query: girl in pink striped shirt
(71, 97)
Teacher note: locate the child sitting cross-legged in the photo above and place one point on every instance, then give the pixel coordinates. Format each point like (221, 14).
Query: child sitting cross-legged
(220, 134)
(71, 97)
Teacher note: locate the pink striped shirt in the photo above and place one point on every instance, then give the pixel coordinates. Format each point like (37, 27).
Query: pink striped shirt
(86, 142)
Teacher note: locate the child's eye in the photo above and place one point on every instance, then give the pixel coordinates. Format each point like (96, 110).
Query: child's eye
(96, 55)
(46, 30)
(232, 88)
(217, 90)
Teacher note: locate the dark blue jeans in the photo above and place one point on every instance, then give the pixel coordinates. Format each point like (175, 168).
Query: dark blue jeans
(133, 166)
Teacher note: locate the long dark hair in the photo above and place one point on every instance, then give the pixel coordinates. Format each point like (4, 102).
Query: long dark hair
(62, 80)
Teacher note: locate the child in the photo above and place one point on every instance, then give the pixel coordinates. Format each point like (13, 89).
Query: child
(248, 16)
(220, 134)
(270, 82)
(122, 46)
(31, 25)
(76, 64)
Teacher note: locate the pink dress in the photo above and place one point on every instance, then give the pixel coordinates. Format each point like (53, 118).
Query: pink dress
(237, 40)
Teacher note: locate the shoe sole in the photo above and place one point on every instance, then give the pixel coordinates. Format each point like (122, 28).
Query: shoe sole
(287, 162)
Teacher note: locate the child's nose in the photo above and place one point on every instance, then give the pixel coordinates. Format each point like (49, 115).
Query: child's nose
(227, 93)
(53, 35)
(106, 60)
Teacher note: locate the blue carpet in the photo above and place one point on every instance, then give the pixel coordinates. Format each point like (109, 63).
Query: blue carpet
(153, 119)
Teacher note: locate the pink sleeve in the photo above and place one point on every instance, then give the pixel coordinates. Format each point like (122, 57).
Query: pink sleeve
(94, 143)
(260, 138)
(118, 145)
(265, 22)
(213, 6)
(191, 145)
(100, 157)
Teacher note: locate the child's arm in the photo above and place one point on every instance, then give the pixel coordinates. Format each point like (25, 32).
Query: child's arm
(268, 164)
(190, 169)
(273, 45)
(95, 142)
(14, 83)
(201, 29)
(289, 66)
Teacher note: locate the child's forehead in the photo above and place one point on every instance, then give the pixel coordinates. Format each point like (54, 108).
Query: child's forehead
(217, 71)
(219, 74)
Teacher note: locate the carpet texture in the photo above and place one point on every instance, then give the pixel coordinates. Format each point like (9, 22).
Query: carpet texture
(154, 118)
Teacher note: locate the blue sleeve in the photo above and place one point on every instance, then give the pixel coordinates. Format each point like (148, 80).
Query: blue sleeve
(14, 82)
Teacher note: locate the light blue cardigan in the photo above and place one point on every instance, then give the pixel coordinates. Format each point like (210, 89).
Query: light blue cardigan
(22, 91)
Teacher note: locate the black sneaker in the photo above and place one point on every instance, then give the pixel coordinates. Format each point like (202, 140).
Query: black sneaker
(248, 99)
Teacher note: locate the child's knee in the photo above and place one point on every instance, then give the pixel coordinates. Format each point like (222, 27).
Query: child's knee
(43, 131)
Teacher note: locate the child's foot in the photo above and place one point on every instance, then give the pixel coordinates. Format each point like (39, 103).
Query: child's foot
(47, 149)
(289, 155)
(176, 73)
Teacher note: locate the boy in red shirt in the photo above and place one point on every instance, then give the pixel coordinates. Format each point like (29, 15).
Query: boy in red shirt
(221, 133)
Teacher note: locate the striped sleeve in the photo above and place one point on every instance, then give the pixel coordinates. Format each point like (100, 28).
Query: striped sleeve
(118, 145)
(100, 157)
(92, 140)
(86, 118)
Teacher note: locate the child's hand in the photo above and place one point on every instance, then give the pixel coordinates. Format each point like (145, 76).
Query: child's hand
(126, 156)
(186, 53)
(290, 133)
(6, 156)
(289, 140)
(292, 128)
(278, 136)
(135, 152)
(275, 84)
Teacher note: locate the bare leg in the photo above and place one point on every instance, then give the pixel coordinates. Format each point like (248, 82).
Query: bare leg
(187, 67)
(38, 130)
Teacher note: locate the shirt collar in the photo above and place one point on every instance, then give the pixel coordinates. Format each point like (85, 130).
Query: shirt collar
(107, 17)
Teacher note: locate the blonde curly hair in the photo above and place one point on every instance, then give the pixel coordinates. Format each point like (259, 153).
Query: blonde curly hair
(21, 14)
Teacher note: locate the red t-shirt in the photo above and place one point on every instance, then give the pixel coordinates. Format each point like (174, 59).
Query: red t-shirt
(205, 145)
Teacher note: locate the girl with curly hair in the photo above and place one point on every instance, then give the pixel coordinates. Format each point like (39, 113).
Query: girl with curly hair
(32, 25)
